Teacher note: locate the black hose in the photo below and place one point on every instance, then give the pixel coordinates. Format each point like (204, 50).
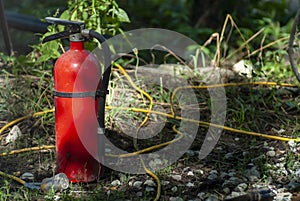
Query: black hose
(102, 91)
(25, 22)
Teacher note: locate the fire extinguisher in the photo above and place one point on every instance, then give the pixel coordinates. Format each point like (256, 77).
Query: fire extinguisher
(79, 96)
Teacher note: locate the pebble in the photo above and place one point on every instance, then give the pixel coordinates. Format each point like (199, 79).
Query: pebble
(190, 184)
(176, 177)
(201, 172)
(201, 195)
(27, 176)
(137, 184)
(176, 199)
(224, 175)
(212, 176)
(13, 135)
(283, 196)
(226, 190)
(232, 173)
(190, 173)
(190, 152)
(271, 153)
(241, 187)
(294, 184)
(252, 174)
(149, 183)
(212, 198)
(164, 183)
(174, 189)
(56, 197)
(292, 145)
(232, 181)
(139, 194)
(149, 189)
(186, 169)
(116, 183)
(228, 155)
(235, 194)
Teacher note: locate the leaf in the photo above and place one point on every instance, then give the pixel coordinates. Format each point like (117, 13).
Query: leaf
(84, 15)
(122, 15)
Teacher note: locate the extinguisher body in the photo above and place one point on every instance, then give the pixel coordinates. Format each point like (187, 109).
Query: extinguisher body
(76, 78)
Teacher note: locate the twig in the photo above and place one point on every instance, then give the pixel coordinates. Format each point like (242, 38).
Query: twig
(291, 42)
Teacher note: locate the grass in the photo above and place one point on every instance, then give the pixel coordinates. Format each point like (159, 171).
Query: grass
(254, 108)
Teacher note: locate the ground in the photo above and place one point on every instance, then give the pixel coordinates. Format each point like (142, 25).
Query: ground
(238, 165)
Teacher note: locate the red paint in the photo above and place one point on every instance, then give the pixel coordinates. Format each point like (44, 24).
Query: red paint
(76, 123)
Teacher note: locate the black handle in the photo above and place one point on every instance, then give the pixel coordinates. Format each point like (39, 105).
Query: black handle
(54, 20)
(59, 35)
(71, 27)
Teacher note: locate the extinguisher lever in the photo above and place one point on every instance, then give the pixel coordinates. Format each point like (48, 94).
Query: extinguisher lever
(54, 20)
(59, 35)
(71, 27)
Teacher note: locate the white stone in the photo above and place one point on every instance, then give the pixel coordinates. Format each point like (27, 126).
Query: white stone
(149, 189)
(186, 169)
(190, 173)
(226, 190)
(201, 172)
(212, 198)
(176, 177)
(201, 195)
(13, 135)
(27, 176)
(271, 153)
(137, 184)
(190, 184)
(174, 189)
(176, 199)
(241, 187)
(164, 183)
(228, 155)
(149, 183)
(116, 183)
(243, 69)
(212, 176)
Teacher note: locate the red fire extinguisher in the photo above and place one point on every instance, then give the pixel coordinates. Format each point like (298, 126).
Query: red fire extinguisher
(79, 96)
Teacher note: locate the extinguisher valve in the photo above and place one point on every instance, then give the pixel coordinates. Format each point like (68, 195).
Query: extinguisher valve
(73, 28)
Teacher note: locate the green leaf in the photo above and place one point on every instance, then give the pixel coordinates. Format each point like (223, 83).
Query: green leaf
(122, 15)
(84, 15)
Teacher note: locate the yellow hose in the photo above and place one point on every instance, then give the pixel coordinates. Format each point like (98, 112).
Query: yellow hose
(138, 89)
(23, 118)
(204, 123)
(12, 177)
(137, 131)
(28, 149)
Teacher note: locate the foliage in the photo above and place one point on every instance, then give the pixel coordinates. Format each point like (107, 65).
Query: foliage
(104, 16)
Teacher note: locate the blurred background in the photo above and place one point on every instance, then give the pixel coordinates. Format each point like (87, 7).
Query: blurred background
(197, 19)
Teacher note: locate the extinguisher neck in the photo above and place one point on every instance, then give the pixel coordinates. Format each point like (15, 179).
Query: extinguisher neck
(78, 45)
